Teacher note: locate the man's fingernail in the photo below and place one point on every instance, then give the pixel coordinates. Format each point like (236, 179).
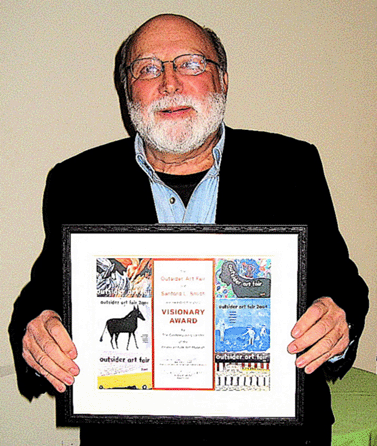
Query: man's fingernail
(296, 333)
(300, 363)
(72, 354)
(69, 380)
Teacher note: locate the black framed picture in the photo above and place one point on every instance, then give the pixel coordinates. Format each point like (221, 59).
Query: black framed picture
(184, 323)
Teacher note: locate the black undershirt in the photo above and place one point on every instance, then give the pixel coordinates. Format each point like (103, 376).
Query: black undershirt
(184, 185)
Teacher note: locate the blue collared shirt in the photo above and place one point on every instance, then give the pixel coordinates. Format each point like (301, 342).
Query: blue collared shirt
(203, 201)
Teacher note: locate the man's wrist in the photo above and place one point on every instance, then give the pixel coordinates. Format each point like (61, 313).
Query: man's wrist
(343, 355)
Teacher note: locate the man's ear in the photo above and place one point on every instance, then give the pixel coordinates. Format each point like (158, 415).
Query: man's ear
(225, 82)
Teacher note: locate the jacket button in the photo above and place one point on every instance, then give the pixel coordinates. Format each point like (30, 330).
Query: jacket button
(172, 200)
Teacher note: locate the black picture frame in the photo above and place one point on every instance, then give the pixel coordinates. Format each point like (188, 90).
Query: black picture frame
(66, 412)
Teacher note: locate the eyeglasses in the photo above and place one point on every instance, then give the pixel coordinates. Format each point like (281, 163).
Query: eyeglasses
(185, 64)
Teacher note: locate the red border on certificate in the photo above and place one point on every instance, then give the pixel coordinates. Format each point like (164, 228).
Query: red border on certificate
(188, 362)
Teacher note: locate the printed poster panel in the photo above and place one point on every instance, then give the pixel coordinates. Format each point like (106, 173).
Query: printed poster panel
(124, 295)
(243, 330)
(183, 324)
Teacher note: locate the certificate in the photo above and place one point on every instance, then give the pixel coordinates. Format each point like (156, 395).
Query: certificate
(184, 323)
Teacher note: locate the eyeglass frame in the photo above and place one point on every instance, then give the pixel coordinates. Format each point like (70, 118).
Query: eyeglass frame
(174, 65)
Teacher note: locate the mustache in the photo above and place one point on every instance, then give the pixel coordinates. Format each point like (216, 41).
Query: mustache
(175, 101)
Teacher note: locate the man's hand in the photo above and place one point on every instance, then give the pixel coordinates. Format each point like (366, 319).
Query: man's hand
(323, 330)
(49, 350)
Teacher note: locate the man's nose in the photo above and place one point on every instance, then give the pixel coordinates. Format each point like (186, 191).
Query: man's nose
(170, 82)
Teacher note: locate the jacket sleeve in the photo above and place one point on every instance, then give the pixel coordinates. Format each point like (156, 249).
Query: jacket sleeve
(43, 292)
(331, 272)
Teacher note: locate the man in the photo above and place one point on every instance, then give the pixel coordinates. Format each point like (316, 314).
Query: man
(172, 80)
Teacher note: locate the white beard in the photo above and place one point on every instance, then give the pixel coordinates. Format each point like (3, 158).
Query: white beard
(183, 135)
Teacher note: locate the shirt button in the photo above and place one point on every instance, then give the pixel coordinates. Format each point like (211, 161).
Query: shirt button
(172, 200)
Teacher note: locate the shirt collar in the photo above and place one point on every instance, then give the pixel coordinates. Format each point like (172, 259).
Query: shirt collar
(142, 161)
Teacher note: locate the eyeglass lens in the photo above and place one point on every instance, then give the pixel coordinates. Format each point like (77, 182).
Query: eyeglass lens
(187, 64)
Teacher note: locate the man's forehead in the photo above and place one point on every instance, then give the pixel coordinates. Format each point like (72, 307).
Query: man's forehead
(169, 34)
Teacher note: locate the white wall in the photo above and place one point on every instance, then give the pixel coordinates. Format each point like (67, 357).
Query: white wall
(306, 69)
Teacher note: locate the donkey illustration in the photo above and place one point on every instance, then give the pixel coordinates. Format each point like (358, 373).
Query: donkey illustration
(127, 324)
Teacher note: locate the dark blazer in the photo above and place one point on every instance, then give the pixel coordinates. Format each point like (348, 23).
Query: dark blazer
(265, 179)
